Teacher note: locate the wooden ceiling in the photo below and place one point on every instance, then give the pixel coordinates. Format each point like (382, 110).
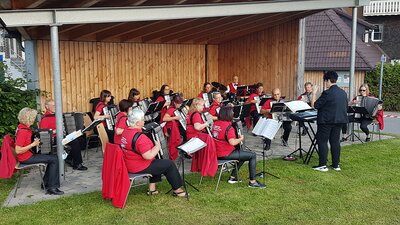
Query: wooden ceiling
(186, 31)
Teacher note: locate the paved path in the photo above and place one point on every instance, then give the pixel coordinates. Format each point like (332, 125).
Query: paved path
(77, 182)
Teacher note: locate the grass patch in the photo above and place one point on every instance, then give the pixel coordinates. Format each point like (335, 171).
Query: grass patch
(366, 191)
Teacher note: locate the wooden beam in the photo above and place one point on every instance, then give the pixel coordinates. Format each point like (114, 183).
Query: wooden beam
(236, 34)
(231, 21)
(23, 33)
(122, 29)
(6, 4)
(89, 29)
(26, 4)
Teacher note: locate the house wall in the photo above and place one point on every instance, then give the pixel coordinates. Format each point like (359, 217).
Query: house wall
(316, 78)
(391, 34)
(269, 56)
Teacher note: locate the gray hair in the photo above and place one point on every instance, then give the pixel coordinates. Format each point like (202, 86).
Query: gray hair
(134, 116)
(27, 116)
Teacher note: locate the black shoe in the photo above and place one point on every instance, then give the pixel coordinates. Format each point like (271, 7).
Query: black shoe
(257, 185)
(367, 139)
(79, 167)
(54, 191)
(304, 133)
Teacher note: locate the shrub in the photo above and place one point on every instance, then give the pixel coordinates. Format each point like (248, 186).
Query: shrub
(390, 85)
(12, 100)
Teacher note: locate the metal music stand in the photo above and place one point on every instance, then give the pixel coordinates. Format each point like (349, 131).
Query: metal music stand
(153, 108)
(360, 110)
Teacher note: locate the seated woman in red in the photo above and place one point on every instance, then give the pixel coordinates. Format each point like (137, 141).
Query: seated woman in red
(139, 152)
(228, 146)
(194, 122)
(120, 122)
(170, 118)
(105, 98)
(25, 155)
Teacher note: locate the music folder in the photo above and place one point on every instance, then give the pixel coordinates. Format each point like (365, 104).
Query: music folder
(74, 135)
(267, 128)
(192, 146)
(241, 90)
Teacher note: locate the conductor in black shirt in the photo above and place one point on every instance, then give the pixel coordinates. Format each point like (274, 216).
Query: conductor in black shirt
(332, 114)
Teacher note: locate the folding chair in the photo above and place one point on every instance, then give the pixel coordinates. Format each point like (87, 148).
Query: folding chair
(91, 136)
(136, 176)
(374, 125)
(224, 167)
(20, 167)
(103, 136)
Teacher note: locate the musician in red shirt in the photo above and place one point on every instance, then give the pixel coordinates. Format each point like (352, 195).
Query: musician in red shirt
(48, 121)
(120, 122)
(105, 98)
(23, 148)
(207, 88)
(253, 110)
(134, 96)
(140, 156)
(228, 146)
(215, 105)
(170, 117)
(158, 96)
(232, 87)
(266, 109)
(194, 122)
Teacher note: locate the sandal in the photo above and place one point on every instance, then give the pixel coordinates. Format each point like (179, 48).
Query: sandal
(154, 192)
(181, 194)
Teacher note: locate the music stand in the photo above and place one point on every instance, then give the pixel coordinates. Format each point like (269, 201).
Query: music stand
(360, 110)
(241, 91)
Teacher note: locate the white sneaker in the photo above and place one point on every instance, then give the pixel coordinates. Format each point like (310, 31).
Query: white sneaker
(320, 168)
(336, 168)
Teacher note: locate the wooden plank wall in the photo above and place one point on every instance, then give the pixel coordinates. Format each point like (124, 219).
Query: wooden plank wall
(269, 56)
(316, 78)
(89, 67)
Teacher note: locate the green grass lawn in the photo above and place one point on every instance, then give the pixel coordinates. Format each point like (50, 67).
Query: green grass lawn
(366, 191)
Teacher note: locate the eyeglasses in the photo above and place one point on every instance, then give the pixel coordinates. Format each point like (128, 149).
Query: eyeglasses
(362, 90)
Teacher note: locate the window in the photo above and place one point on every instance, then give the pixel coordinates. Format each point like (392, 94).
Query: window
(376, 34)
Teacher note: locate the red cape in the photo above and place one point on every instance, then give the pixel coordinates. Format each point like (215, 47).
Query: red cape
(174, 140)
(379, 118)
(8, 162)
(205, 160)
(115, 176)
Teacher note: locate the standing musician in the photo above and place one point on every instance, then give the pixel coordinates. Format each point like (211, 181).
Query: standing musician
(140, 156)
(266, 109)
(253, 110)
(217, 99)
(170, 118)
(23, 148)
(105, 98)
(228, 146)
(195, 123)
(332, 115)
(232, 87)
(120, 125)
(48, 121)
(134, 96)
(207, 88)
(306, 97)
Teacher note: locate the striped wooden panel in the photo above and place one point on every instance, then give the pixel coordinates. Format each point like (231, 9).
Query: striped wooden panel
(269, 56)
(89, 67)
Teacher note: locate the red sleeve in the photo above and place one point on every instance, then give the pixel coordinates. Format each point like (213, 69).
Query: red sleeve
(251, 97)
(23, 137)
(267, 105)
(99, 107)
(144, 144)
(299, 98)
(48, 122)
(160, 99)
(197, 118)
(122, 122)
(231, 133)
(200, 95)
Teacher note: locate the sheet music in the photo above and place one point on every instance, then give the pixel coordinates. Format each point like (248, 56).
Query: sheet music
(297, 105)
(193, 145)
(167, 98)
(267, 128)
(258, 107)
(72, 136)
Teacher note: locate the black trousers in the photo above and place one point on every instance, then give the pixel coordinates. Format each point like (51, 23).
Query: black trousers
(331, 133)
(364, 122)
(243, 156)
(75, 153)
(51, 177)
(254, 114)
(168, 169)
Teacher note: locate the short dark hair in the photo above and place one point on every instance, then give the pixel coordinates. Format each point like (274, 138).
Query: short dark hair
(124, 105)
(259, 85)
(132, 93)
(331, 76)
(104, 94)
(177, 99)
(226, 113)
